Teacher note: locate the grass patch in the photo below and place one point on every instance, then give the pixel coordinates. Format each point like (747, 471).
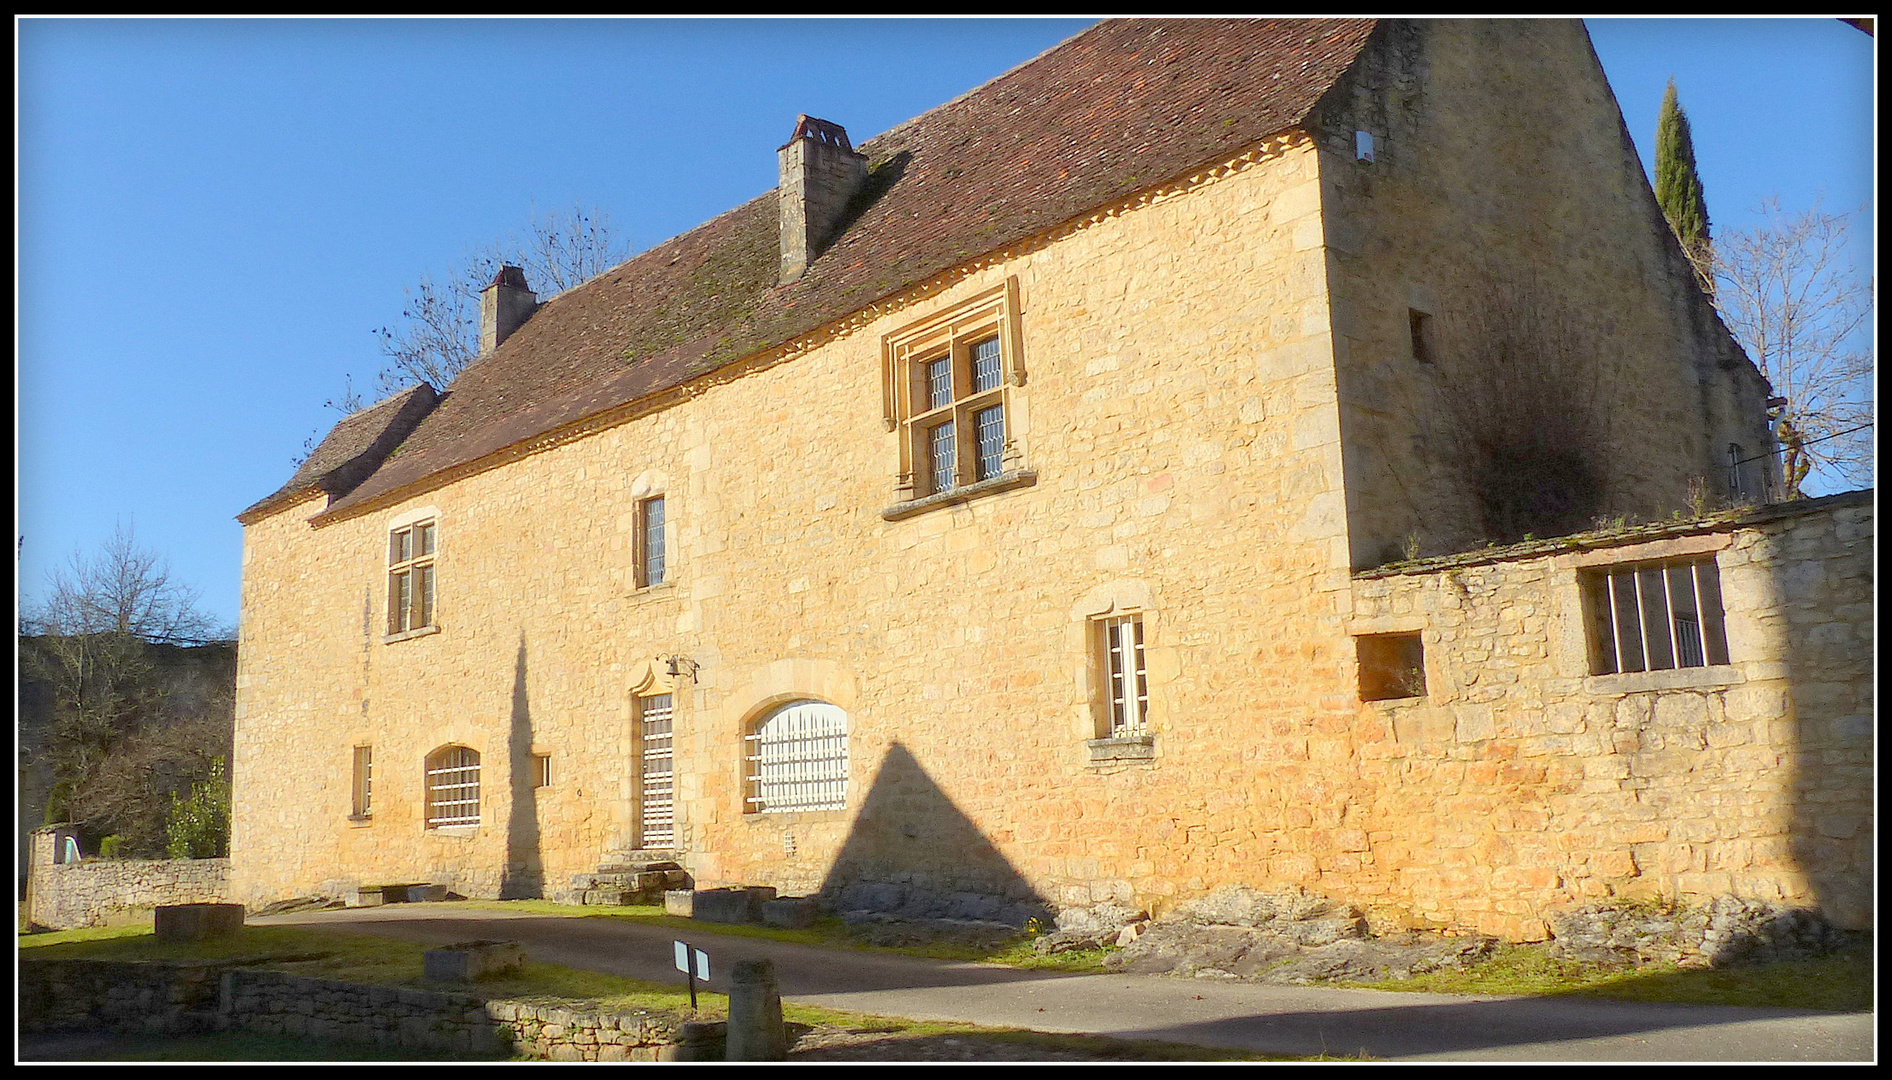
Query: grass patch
(359, 958)
(388, 962)
(829, 932)
(1838, 983)
(241, 1046)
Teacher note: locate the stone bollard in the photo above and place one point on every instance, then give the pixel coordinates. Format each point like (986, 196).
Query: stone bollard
(756, 1032)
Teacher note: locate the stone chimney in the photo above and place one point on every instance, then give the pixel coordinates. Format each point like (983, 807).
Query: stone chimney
(505, 305)
(820, 174)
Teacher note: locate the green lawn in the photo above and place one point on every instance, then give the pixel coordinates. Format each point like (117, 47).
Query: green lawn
(1838, 983)
(387, 962)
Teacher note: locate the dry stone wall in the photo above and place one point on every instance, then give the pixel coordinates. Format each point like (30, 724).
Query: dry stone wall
(67, 895)
(192, 997)
(1521, 784)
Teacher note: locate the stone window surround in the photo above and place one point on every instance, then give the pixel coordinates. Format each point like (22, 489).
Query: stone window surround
(1117, 599)
(362, 784)
(754, 747)
(993, 312)
(408, 519)
(1569, 568)
(650, 484)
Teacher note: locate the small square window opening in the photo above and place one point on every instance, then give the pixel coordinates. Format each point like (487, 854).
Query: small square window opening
(1392, 666)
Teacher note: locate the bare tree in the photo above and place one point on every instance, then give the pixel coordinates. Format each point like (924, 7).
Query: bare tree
(1797, 303)
(439, 331)
(123, 725)
(122, 589)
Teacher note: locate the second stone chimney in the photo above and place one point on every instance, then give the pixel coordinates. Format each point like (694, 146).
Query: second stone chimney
(820, 174)
(505, 305)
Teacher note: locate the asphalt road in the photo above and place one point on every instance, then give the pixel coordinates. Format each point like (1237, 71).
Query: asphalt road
(1269, 1019)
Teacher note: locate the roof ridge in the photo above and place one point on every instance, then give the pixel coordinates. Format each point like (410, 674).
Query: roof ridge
(1083, 124)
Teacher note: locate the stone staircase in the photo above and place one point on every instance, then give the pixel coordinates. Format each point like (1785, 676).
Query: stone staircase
(632, 877)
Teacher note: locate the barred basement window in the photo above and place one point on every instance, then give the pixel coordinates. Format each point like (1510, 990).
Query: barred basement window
(797, 759)
(453, 787)
(411, 578)
(651, 568)
(656, 799)
(1655, 616)
(363, 802)
(1126, 677)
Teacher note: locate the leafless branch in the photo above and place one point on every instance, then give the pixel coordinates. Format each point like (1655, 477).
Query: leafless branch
(1796, 302)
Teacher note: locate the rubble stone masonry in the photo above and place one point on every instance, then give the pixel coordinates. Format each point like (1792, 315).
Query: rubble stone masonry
(1520, 784)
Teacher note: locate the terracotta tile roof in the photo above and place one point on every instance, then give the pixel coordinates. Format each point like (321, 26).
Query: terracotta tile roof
(351, 450)
(1121, 107)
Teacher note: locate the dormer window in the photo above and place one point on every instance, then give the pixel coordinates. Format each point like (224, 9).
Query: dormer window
(949, 384)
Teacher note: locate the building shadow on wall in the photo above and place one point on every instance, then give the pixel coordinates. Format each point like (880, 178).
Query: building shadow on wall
(913, 854)
(1824, 591)
(524, 873)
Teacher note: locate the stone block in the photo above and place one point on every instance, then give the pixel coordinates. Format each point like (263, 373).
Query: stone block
(680, 902)
(196, 922)
(468, 960)
(722, 905)
(789, 913)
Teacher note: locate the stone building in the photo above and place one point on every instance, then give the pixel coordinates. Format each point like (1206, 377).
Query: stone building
(984, 521)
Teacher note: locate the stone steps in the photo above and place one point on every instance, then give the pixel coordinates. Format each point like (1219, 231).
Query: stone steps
(635, 877)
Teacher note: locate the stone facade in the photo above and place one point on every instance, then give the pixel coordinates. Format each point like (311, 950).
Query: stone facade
(1186, 444)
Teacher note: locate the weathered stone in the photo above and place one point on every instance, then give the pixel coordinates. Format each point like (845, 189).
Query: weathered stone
(469, 960)
(789, 913)
(196, 922)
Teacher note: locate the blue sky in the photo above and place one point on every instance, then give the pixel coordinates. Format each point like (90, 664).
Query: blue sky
(214, 216)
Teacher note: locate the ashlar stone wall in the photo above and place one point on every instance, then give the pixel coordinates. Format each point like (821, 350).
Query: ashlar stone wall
(1177, 407)
(1521, 784)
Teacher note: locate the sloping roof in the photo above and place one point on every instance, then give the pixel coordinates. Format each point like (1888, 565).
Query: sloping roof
(1122, 107)
(352, 449)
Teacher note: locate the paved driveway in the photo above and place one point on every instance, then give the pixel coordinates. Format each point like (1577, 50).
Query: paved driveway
(1270, 1019)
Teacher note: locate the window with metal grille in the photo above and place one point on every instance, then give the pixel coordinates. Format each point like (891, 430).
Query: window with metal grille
(656, 799)
(363, 803)
(1655, 616)
(651, 568)
(453, 787)
(411, 578)
(1126, 678)
(797, 759)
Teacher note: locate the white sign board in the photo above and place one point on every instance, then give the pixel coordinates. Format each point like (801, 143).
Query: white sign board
(683, 960)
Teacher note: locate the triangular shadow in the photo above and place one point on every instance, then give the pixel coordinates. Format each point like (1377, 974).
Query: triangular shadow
(914, 854)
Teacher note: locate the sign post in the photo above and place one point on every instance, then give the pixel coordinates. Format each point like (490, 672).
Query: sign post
(686, 952)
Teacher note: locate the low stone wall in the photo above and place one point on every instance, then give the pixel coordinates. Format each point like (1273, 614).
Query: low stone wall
(62, 896)
(189, 997)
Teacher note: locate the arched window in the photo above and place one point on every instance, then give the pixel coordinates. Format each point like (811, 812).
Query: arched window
(797, 758)
(453, 787)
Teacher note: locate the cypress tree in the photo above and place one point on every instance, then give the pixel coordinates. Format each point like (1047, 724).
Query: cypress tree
(1677, 187)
